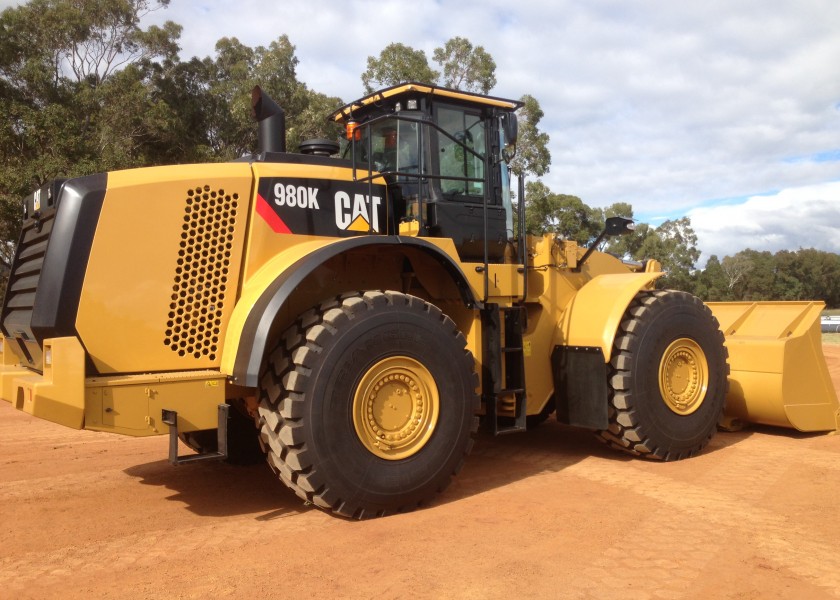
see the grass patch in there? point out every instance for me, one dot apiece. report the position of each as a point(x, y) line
point(831, 312)
point(831, 338)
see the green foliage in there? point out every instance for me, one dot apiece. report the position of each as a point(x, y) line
point(749, 275)
point(229, 79)
point(674, 244)
point(84, 89)
point(624, 245)
point(619, 209)
point(466, 67)
point(532, 154)
point(805, 274)
point(831, 338)
point(396, 64)
point(562, 214)
point(712, 283)
point(63, 93)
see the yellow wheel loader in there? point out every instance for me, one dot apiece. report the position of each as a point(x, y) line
point(366, 306)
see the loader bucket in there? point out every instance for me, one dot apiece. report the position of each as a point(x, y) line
point(778, 374)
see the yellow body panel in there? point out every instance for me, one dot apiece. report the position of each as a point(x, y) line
point(377, 271)
point(504, 282)
point(296, 247)
point(595, 312)
point(567, 307)
point(538, 342)
point(126, 404)
point(9, 370)
point(59, 394)
point(132, 288)
point(132, 405)
point(778, 375)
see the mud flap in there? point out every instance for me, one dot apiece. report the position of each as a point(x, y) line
point(778, 374)
point(581, 393)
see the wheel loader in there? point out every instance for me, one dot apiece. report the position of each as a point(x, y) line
point(353, 312)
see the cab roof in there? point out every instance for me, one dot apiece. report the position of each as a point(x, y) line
point(412, 89)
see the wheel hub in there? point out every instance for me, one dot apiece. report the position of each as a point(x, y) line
point(395, 408)
point(683, 376)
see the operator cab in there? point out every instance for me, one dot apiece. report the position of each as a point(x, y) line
point(442, 153)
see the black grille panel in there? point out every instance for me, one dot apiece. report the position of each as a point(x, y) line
point(201, 274)
point(45, 282)
point(19, 301)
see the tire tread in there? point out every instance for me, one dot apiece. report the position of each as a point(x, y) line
point(282, 404)
point(625, 432)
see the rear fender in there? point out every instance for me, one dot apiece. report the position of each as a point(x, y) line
point(264, 296)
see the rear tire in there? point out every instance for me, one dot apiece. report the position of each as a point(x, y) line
point(668, 377)
point(368, 404)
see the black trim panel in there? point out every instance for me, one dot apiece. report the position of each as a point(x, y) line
point(60, 286)
point(580, 386)
point(252, 344)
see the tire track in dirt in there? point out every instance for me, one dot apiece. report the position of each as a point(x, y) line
point(546, 514)
point(747, 475)
point(64, 485)
point(145, 549)
point(714, 515)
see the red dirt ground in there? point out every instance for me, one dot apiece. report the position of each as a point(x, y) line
point(548, 514)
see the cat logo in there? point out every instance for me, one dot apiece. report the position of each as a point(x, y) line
point(359, 213)
point(309, 206)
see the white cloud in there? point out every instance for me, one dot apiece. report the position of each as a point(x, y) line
point(803, 217)
point(666, 105)
point(660, 104)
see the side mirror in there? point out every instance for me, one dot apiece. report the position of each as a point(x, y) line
point(612, 226)
point(510, 126)
point(618, 226)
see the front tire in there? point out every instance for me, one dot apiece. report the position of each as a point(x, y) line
point(668, 377)
point(368, 404)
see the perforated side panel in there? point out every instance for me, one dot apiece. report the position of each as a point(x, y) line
point(201, 275)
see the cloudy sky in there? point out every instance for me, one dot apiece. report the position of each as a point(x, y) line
point(727, 111)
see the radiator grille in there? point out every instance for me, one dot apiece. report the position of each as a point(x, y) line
point(201, 274)
point(25, 274)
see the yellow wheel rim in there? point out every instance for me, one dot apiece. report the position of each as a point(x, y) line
point(395, 408)
point(683, 376)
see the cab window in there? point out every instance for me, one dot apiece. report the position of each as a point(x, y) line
point(461, 152)
point(387, 146)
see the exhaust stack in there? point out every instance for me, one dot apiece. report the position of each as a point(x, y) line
point(271, 135)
